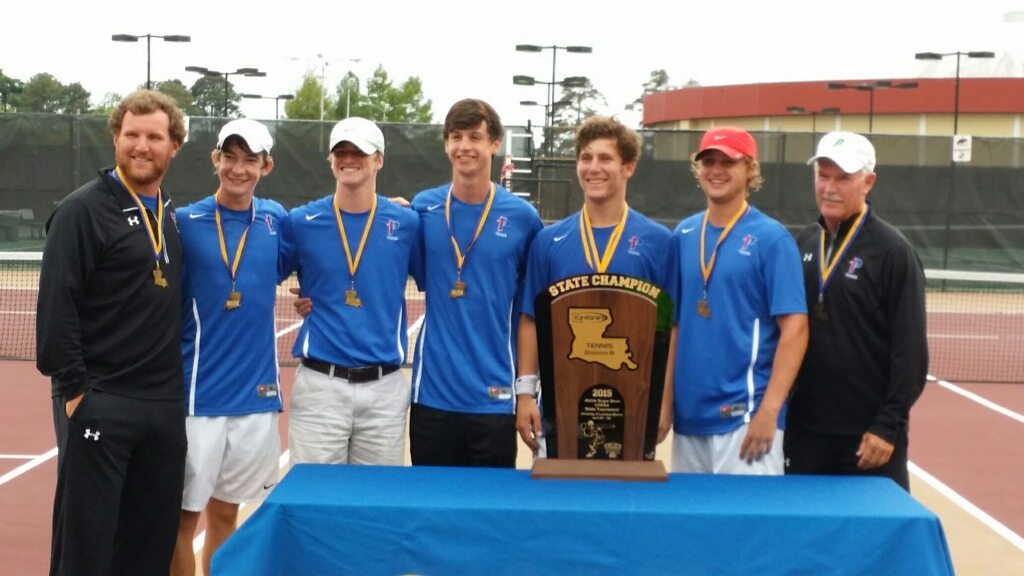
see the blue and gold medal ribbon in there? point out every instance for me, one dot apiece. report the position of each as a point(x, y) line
point(706, 268)
point(234, 298)
point(155, 239)
point(827, 266)
point(460, 257)
point(599, 262)
point(351, 297)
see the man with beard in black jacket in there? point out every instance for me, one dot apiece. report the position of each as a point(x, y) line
point(108, 335)
point(867, 358)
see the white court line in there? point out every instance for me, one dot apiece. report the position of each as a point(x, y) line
point(976, 398)
point(295, 326)
point(28, 466)
point(963, 336)
point(978, 514)
point(18, 456)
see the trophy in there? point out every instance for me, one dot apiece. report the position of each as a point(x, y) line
point(603, 345)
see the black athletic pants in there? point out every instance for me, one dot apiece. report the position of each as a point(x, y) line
point(119, 483)
point(808, 452)
point(442, 438)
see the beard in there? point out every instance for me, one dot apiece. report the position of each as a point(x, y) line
point(141, 173)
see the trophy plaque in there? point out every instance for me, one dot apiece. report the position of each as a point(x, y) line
point(603, 345)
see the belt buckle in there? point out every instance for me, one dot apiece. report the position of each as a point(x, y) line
point(364, 374)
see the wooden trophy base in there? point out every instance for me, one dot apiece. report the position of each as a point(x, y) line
point(639, 470)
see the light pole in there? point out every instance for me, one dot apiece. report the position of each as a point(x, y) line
point(323, 81)
point(832, 110)
point(554, 55)
point(870, 88)
point(956, 131)
point(277, 99)
point(149, 37)
point(250, 72)
point(549, 109)
point(956, 88)
point(349, 80)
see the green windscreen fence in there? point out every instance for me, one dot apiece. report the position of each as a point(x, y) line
point(963, 216)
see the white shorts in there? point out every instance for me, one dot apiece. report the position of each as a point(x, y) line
point(334, 421)
point(231, 458)
point(720, 454)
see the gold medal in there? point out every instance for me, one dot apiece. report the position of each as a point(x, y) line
point(706, 268)
point(155, 236)
point(234, 300)
point(234, 297)
point(460, 259)
point(459, 291)
point(352, 299)
point(828, 261)
point(351, 296)
point(158, 277)
point(703, 309)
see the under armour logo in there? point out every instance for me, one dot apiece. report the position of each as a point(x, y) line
point(133, 220)
point(808, 257)
point(90, 435)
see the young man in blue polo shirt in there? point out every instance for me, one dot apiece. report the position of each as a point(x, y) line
point(741, 320)
point(606, 235)
point(476, 237)
point(232, 243)
point(353, 251)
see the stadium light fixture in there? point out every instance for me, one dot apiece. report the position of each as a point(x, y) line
point(149, 38)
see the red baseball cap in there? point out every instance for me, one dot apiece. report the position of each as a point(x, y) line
point(733, 142)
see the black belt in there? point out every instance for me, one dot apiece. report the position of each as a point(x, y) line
point(353, 375)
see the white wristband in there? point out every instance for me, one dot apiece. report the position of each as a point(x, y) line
point(528, 384)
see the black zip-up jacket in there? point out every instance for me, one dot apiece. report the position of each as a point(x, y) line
point(867, 362)
point(101, 321)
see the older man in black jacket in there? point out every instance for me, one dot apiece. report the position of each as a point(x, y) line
point(867, 358)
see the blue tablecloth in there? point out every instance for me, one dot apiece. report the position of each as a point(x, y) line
point(365, 520)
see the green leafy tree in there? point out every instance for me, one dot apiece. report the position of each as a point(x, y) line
point(176, 89)
point(214, 96)
point(74, 99)
point(347, 93)
point(383, 101)
point(107, 104)
point(42, 93)
point(10, 89)
point(306, 104)
point(412, 104)
point(658, 82)
point(576, 105)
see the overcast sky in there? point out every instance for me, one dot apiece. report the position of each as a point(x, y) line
point(462, 49)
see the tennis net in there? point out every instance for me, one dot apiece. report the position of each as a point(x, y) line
point(975, 319)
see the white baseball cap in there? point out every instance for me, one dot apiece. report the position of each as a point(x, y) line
point(851, 152)
point(256, 135)
point(365, 134)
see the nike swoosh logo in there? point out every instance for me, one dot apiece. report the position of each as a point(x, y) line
point(434, 207)
point(193, 216)
point(687, 230)
point(269, 486)
point(560, 238)
point(312, 216)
